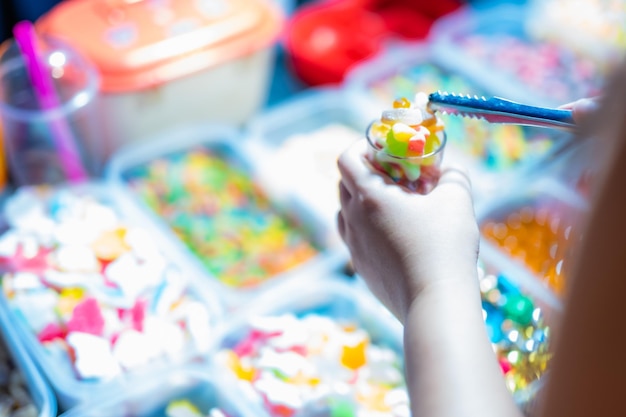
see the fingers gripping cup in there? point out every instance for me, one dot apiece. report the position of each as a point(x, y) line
point(407, 144)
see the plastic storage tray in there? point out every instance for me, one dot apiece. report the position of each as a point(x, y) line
point(69, 388)
point(495, 155)
point(546, 216)
point(37, 386)
point(520, 318)
point(326, 296)
point(493, 47)
point(198, 385)
point(230, 148)
point(300, 141)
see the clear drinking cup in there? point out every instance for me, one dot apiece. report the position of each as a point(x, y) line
point(48, 145)
point(417, 173)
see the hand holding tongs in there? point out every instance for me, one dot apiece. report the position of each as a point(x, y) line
point(499, 110)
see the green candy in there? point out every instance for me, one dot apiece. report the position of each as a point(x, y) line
point(342, 408)
point(519, 308)
point(396, 147)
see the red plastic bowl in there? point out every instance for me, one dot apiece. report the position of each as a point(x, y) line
point(324, 41)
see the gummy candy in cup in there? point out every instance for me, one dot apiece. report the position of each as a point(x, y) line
point(418, 171)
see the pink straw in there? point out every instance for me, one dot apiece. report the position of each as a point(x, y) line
point(26, 38)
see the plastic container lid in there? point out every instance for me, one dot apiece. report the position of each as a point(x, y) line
point(140, 44)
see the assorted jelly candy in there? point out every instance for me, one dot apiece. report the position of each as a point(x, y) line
point(540, 237)
point(491, 148)
point(407, 144)
point(96, 289)
point(517, 329)
point(315, 365)
point(222, 216)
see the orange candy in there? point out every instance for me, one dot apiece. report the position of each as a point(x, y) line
point(538, 237)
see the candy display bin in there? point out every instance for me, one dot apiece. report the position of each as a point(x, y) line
point(169, 64)
point(311, 319)
point(495, 155)
point(300, 141)
point(172, 394)
point(595, 29)
point(536, 225)
point(494, 47)
point(57, 310)
point(200, 186)
point(520, 318)
point(37, 386)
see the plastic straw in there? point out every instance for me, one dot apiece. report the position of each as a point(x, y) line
point(65, 143)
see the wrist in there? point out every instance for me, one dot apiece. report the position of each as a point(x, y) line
point(450, 283)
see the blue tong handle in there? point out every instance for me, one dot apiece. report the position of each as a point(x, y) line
point(499, 110)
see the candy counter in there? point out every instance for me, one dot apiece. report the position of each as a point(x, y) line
point(203, 273)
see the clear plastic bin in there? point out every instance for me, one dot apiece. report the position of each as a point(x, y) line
point(67, 288)
point(300, 141)
point(197, 385)
point(493, 47)
point(594, 28)
point(535, 225)
point(236, 260)
point(325, 298)
point(37, 386)
point(521, 318)
point(495, 155)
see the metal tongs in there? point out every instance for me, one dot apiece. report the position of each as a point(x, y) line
point(499, 110)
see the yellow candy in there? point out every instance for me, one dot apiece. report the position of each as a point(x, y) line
point(68, 299)
point(111, 245)
point(402, 132)
point(401, 103)
point(432, 144)
point(243, 372)
point(353, 357)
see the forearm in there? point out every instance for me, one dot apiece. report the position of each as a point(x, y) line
point(451, 368)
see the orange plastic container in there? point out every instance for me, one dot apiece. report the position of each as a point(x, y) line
point(166, 63)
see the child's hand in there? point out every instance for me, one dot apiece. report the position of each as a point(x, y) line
point(402, 242)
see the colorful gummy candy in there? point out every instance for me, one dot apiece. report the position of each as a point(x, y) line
point(407, 144)
point(539, 236)
point(93, 288)
point(546, 68)
point(517, 329)
point(222, 216)
point(595, 28)
point(492, 148)
point(315, 365)
point(185, 408)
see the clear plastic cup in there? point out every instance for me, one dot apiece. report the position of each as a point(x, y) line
point(417, 173)
point(43, 142)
